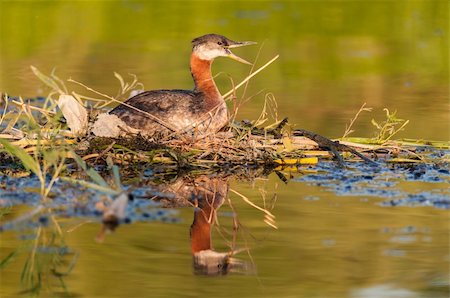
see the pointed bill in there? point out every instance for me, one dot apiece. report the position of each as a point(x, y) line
point(237, 45)
point(237, 58)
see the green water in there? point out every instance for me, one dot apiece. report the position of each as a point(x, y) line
point(334, 56)
point(324, 246)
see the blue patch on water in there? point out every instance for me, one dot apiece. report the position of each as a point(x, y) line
point(362, 179)
point(438, 200)
point(67, 200)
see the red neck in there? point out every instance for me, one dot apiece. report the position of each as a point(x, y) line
point(201, 230)
point(204, 82)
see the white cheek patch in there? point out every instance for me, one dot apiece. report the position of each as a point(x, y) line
point(205, 53)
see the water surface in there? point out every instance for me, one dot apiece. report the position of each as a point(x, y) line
point(358, 232)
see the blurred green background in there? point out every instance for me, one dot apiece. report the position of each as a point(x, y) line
point(334, 55)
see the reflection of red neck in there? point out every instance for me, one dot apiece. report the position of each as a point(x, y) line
point(204, 82)
point(201, 229)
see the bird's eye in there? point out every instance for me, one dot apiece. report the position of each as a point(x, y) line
point(220, 43)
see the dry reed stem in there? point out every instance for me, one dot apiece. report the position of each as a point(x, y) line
point(267, 212)
point(8, 136)
point(348, 127)
point(250, 76)
point(28, 106)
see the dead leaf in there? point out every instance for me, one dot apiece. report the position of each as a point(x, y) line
point(75, 114)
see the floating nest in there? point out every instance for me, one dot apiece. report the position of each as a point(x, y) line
point(46, 129)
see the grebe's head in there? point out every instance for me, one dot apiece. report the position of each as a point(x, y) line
point(210, 46)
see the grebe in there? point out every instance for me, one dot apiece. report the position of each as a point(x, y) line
point(195, 113)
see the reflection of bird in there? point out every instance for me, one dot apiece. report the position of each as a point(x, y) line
point(208, 194)
point(201, 111)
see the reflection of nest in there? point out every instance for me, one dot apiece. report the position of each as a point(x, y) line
point(192, 192)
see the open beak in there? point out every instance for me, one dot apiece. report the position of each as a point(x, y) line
point(236, 44)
